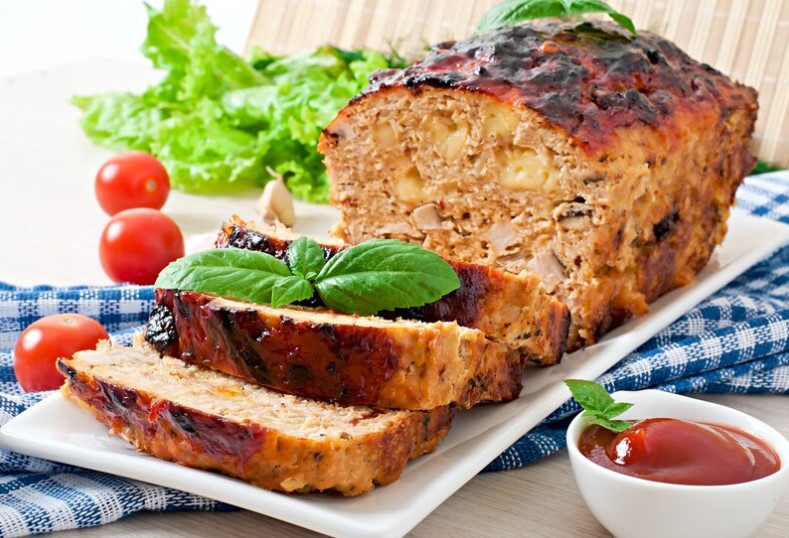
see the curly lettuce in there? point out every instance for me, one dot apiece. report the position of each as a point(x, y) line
point(221, 123)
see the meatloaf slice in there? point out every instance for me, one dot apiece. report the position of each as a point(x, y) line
point(510, 309)
point(346, 359)
point(605, 163)
point(204, 419)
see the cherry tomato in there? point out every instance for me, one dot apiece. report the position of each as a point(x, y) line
point(138, 243)
point(132, 179)
point(48, 339)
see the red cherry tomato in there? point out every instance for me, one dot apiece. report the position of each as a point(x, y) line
point(48, 339)
point(137, 244)
point(132, 179)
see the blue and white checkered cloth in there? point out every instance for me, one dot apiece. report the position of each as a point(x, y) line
point(737, 341)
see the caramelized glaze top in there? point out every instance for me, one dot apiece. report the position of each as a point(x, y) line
point(589, 79)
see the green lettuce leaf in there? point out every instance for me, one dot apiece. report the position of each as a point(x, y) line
point(220, 123)
point(181, 39)
point(120, 119)
point(204, 155)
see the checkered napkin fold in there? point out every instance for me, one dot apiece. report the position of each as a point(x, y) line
point(737, 341)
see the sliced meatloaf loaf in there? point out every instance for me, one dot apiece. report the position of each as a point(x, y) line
point(510, 309)
point(204, 419)
point(605, 163)
point(346, 359)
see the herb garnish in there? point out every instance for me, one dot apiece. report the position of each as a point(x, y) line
point(380, 274)
point(764, 167)
point(511, 12)
point(598, 404)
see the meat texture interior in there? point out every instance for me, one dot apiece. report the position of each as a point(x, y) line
point(604, 163)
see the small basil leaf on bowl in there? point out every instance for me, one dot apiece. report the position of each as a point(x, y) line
point(599, 407)
point(384, 274)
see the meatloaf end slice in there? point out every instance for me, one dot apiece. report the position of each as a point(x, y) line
point(512, 309)
point(351, 360)
point(606, 164)
point(205, 419)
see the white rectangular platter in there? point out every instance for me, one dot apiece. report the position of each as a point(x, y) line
point(57, 429)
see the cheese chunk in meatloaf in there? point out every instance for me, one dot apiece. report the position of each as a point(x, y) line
point(604, 163)
point(513, 310)
point(351, 360)
point(208, 420)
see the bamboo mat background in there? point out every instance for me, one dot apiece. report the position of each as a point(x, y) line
point(746, 39)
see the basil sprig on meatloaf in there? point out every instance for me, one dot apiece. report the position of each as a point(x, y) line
point(376, 275)
point(512, 12)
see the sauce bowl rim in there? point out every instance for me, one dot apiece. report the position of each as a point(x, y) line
point(775, 439)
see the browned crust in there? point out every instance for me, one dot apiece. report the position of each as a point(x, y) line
point(688, 124)
point(264, 457)
point(588, 79)
point(508, 308)
point(391, 366)
point(684, 235)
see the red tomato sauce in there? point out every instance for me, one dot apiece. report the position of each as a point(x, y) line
point(681, 452)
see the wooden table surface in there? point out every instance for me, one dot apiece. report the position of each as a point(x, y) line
point(47, 168)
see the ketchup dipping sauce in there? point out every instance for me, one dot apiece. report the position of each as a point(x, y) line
point(681, 452)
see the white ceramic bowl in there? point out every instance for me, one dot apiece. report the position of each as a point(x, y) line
point(634, 507)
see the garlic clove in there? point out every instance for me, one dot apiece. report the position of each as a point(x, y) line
point(276, 203)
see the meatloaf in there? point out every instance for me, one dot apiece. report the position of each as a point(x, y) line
point(510, 309)
point(349, 360)
point(604, 163)
point(208, 420)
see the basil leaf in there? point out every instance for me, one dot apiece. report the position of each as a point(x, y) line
point(613, 425)
point(592, 396)
point(512, 12)
point(598, 405)
point(364, 279)
point(616, 409)
point(384, 274)
point(229, 272)
point(290, 289)
point(579, 7)
point(305, 256)
point(623, 21)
